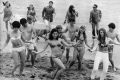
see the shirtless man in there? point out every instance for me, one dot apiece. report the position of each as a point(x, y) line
point(27, 36)
point(112, 35)
point(71, 29)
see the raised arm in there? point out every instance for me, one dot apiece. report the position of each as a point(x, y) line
point(100, 14)
point(66, 44)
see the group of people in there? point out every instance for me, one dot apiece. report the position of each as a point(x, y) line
point(24, 38)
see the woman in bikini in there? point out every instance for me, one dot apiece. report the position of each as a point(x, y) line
point(18, 49)
point(31, 14)
point(79, 48)
point(56, 45)
point(7, 13)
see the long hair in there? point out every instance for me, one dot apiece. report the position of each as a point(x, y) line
point(51, 34)
point(100, 38)
point(4, 3)
point(71, 9)
point(79, 34)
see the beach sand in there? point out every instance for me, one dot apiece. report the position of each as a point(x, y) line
point(110, 13)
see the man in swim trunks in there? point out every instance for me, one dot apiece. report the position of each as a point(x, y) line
point(27, 36)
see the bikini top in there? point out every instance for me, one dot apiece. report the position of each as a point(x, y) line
point(16, 40)
point(56, 45)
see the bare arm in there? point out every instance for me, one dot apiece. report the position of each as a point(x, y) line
point(86, 42)
point(90, 19)
point(117, 37)
point(42, 50)
point(95, 46)
point(66, 17)
point(6, 42)
point(65, 30)
point(66, 44)
point(100, 14)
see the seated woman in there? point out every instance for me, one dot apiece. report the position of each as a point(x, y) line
point(101, 48)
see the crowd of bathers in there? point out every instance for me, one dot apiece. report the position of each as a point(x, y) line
point(24, 38)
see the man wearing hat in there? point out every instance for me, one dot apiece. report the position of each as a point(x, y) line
point(95, 17)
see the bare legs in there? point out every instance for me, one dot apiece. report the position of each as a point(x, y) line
point(78, 54)
point(60, 68)
point(19, 63)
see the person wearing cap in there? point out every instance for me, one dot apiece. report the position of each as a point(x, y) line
point(112, 35)
point(7, 13)
point(95, 18)
point(48, 14)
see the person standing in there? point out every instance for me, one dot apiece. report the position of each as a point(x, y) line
point(48, 14)
point(7, 13)
point(31, 14)
point(27, 34)
point(95, 18)
point(18, 48)
point(101, 49)
point(71, 15)
point(112, 35)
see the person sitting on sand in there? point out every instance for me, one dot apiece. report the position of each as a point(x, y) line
point(56, 45)
point(79, 48)
point(18, 48)
point(7, 13)
point(101, 48)
point(31, 14)
point(112, 35)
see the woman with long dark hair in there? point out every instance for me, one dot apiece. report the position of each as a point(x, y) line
point(71, 15)
point(79, 48)
point(7, 13)
point(56, 45)
point(101, 48)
